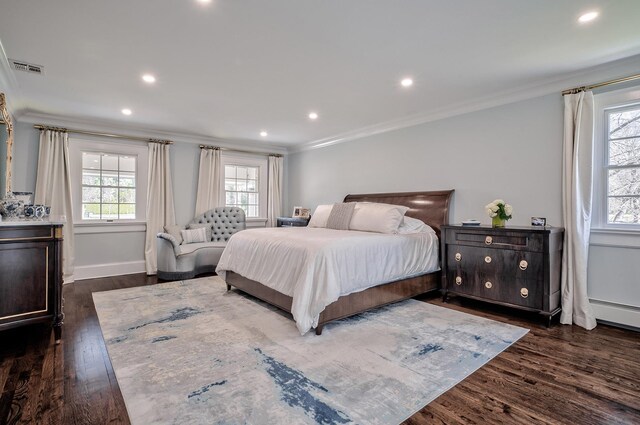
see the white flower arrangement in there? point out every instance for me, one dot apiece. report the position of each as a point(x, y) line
point(500, 209)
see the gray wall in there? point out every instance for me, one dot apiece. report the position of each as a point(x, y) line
point(511, 152)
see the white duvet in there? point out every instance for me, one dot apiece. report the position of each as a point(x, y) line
point(315, 266)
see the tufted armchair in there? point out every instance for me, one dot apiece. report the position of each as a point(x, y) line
point(178, 261)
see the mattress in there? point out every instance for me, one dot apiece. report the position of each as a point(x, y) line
point(315, 266)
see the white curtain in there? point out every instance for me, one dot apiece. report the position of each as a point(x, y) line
point(160, 209)
point(274, 195)
point(208, 193)
point(577, 189)
point(53, 188)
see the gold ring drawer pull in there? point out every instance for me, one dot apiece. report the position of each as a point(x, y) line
point(488, 240)
point(458, 280)
point(488, 285)
point(487, 259)
point(458, 256)
point(524, 265)
point(524, 292)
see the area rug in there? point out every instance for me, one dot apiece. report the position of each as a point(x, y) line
point(192, 353)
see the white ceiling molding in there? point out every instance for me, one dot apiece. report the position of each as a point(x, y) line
point(118, 128)
point(616, 69)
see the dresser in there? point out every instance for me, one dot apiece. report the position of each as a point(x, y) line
point(31, 274)
point(517, 267)
point(292, 221)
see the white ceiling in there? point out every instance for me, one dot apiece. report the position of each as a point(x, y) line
point(235, 67)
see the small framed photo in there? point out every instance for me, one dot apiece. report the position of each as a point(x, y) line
point(301, 212)
point(538, 221)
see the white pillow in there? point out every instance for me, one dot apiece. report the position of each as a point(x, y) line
point(194, 235)
point(374, 217)
point(412, 225)
point(320, 216)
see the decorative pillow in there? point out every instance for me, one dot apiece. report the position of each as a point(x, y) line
point(174, 231)
point(374, 217)
point(340, 216)
point(204, 226)
point(413, 225)
point(320, 216)
point(194, 235)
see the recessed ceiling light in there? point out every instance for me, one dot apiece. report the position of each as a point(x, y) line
point(313, 115)
point(588, 17)
point(406, 82)
point(148, 78)
point(264, 133)
point(126, 111)
point(204, 1)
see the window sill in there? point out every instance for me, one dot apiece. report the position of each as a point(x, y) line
point(617, 238)
point(106, 227)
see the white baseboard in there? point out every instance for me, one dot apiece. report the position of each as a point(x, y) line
point(110, 269)
point(616, 313)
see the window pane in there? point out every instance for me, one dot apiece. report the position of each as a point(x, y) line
point(624, 151)
point(253, 173)
point(127, 179)
point(230, 185)
point(109, 162)
point(253, 198)
point(127, 196)
point(624, 210)
point(252, 185)
point(241, 173)
point(90, 160)
point(230, 171)
point(91, 194)
point(109, 178)
point(252, 211)
point(243, 198)
point(91, 211)
point(90, 178)
point(625, 181)
point(624, 124)
point(109, 211)
point(127, 211)
point(110, 195)
point(127, 163)
point(231, 198)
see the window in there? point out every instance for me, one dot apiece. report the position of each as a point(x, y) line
point(241, 184)
point(622, 150)
point(108, 186)
point(616, 200)
point(245, 184)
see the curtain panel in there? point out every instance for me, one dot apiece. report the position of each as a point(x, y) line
point(208, 195)
point(160, 207)
point(274, 194)
point(53, 188)
point(577, 194)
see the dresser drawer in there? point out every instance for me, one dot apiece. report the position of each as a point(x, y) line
point(519, 241)
point(492, 262)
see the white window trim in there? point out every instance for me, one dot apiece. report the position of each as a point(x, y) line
point(76, 147)
point(599, 225)
point(241, 159)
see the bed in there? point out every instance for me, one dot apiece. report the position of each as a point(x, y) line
point(430, 207)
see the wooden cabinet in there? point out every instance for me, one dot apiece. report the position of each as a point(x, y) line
point(292, 222)
point(513, 266)
point(31, 274)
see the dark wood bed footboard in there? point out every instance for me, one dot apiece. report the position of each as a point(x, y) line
point(347, 305)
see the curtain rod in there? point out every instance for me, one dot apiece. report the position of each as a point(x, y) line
point(96, 133)
point(239, 150)
point(605, 83)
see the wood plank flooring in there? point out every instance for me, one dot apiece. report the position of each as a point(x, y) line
point(560, 375)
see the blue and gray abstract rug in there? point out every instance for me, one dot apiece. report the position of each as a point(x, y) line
point(191, 353)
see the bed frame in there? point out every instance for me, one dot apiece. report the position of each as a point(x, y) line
point(430, 207)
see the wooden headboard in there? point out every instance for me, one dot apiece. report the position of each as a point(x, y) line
point(430, 207)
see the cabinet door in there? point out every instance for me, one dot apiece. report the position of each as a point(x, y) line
point(24, 285)
point(496, 274)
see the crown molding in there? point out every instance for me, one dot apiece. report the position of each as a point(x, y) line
point(32, 117)
point(619, 68)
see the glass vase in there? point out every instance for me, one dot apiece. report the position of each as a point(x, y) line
point(498, 222)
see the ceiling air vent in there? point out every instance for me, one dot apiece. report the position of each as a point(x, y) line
point(27, 67)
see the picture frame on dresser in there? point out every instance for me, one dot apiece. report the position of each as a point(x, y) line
point(516, 267)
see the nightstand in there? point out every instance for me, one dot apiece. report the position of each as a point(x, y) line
point(292, 222)
point(517, 267)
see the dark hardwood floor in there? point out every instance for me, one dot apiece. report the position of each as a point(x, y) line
point(563, 374)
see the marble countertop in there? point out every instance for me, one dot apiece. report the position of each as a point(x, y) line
point(31, 221)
